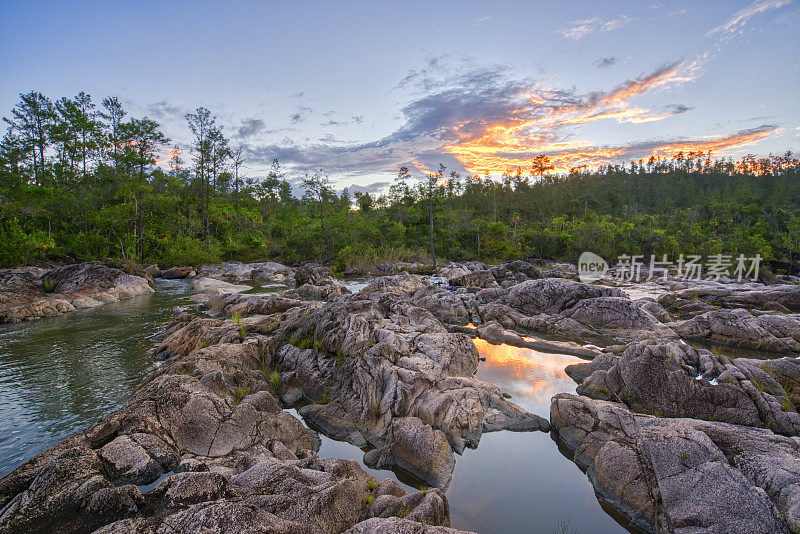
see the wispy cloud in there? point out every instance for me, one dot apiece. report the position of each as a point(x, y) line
point(605, 62)
point(249, 127)
point(735, 24)
point(581, 28)
point(300, 115)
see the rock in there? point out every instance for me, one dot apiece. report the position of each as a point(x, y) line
point(384, 269)
point(366, 359)
point(312, 274)
point(738, 295)
point(31, 293)
point(676, 380)
point(245, 464)
point(178, 272)
point(396, 525)
point(689, 475)
point(418, 449)
point(740, 328)
point(267, 272)
point(183, 489)
point(128, 462)
point(552, 295)
point(153, 271)
point(212, 286)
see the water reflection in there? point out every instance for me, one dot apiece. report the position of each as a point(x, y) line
point(531, 377)
point(60, 373)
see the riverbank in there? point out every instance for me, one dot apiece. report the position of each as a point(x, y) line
point(392, 369)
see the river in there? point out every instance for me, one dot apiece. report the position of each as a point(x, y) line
point(59, 374)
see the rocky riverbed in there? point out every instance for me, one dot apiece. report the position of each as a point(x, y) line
point(674, 437)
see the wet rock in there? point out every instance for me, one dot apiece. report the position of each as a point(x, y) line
point(685, 474)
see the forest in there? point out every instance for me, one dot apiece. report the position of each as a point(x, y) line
point(83, 180)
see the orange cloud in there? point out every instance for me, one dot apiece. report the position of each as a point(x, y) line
point(534, 127)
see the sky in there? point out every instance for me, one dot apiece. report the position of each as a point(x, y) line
point(358, 89)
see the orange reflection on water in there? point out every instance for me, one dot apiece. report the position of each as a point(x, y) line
point(532, 377)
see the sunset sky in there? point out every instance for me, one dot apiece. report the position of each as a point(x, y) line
point(359, 89)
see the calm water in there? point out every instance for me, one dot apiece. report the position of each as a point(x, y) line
point(514, 482)
point(59, 374)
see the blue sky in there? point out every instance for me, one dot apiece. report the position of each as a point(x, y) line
point(360, 88)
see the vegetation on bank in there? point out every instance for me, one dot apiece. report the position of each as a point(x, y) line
point(79, 181)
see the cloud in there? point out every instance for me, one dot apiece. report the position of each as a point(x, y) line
point(736, 23)
point(373, 188)
point(581, 28)
point(485, 120)
point(165, 110)
point(605, 62)
point(299, 116)
point(249, 127)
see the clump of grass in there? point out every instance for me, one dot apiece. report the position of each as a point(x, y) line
point(324, 399)
point(236, 318)
point(786, 405)
point(423, 490)
point(240, 393)
point(48, 285)
point(304, 343)
point(369, 499)
point(376, 410)
point(202, 343)
point(404, 512)
point(242, 331)
point(275, 378)
point(339, 359)
point(372, 484)
point(683, 455)
point(318, 345)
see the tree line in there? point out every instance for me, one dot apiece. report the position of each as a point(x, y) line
point(82, 180)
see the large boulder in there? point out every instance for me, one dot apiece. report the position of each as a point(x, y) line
point(682, 475)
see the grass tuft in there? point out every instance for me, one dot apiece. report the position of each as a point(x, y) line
point(275, 378)
point(240, 393)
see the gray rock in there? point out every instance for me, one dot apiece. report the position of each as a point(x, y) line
point(689, 475)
